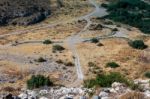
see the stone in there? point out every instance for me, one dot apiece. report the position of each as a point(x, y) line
point(116, 84)
point(103, 94)
point(112, 90)
point(147, 94)
point(96, 97)
point(23, 96)
point(43, 98)
point(43, 92)
point(106, 98)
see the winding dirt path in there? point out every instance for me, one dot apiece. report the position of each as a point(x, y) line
point(74, 39)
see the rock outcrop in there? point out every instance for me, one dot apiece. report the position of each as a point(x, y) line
point(116, 91)
point(23, 12)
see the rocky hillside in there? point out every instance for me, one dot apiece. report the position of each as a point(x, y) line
point(23, 12)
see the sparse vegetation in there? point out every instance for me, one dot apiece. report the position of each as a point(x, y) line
point(94, 68)
point(38, 81)
point(58, 48)
point(138, 44)
point(112, 64)
point(47, 42)
point(65, 63)
point(106, 80)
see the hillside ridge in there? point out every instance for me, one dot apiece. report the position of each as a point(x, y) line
point(23, 12)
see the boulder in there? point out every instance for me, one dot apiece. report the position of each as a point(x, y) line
point(43, 92)
point(23, 96)
point(96, 97)
point(43, 98)
point(147, 94)
point(103, 94)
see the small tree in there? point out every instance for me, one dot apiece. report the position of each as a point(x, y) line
point(138, 44)
point(47, 42)
point(94, 40)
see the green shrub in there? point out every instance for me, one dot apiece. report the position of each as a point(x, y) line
point(38, 81)
point(47, 42)
point(138, 44)
point(58, 48)
point(112, 64)
point(147, 74)
point(41, 59)
point(106, 80)
point(94, 40)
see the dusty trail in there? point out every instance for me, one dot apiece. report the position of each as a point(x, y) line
point(74, 39)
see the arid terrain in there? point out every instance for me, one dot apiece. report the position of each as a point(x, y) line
point(79, 27)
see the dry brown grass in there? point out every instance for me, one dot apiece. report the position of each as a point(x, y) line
point(116, 50)
point(90, 34)
point(132, 95)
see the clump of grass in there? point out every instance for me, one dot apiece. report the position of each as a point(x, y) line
point(65, 63)
point(58, 48)
point(112, 64)
point(41, 59)
point(93, 68)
